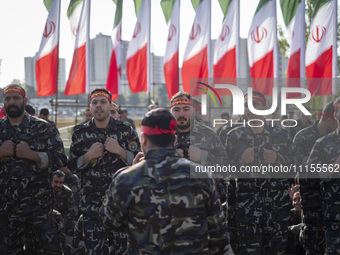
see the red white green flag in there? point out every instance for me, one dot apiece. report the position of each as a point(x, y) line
point(226, 53)
point(113, 77)
point(170, 61)
point(195, 61)
point(293, 12)
point(79, 15)
point(137, 58)
point(47, 59)
point(321, 59)
point(262, 47)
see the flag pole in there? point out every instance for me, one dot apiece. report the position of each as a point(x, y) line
point(57, 78)
point(334, 57)
point(149, 53)
point(276, 53)
point(210, 69)
point(238, 43)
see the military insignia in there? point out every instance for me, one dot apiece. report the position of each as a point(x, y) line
point(132, 146)
point(58, 138)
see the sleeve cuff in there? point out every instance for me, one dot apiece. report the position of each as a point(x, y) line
point(80, 162)
point(129, 157)
point(44, 159)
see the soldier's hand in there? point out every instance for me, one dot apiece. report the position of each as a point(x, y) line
point(23, 150)
point(181, 152)
point(248, 156)
point(113, 146)
point(194, 153)
point(7, 148)
point(96, 150)
point(139, 157)
point(269, 156)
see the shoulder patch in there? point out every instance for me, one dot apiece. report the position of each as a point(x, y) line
point(58, 137)
point(132, 146)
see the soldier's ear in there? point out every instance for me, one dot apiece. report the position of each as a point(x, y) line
point(143, 139)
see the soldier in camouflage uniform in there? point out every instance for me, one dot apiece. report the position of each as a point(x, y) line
point(262, 204)
point(72, 181)
point(30, 149)
point(163, 209)
point(312, 195)
point(64, 201)
point(195, 141)
point(326, 151)
point(99, 148)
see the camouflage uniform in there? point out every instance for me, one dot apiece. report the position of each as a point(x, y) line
point(64, 203)
point(325, 151)
point(262, 204)
point(96, 176)
point(293, 130)
point(164, 209)
point(311, 193)
point(213, 152)
point(26, 193)
point(72, 181)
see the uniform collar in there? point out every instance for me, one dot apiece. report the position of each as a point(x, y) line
point(160, 153)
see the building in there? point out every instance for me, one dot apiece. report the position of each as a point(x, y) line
point(30, 73)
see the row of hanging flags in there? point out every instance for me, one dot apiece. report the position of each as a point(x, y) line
point(319, 60)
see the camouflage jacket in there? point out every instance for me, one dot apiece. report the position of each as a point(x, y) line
point(325, 151)
point(96, 176)
point(206, 139)
point(304, 141)
point(25, 185)
point(64, 203)
point(272, 138)
point(164, 210)
point(72, 181)
point(293, 130)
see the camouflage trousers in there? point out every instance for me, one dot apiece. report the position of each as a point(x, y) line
point(262, 212)
point(98, 239)
point(41, 226)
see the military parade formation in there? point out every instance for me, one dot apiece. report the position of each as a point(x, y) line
point(120, 192)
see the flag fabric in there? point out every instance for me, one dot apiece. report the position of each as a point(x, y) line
point(195, 60)
point(225, 54)
point(137, 58)
point(170, 61)
point(79, 15)
point(321, 48)
point(262, 47)
point(293, 12)
point(113, 77)
point(47, 59)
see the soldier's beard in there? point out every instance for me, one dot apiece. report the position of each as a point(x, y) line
point(184, 126)
point(14, 111)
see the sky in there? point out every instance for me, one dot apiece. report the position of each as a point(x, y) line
point(22, 23)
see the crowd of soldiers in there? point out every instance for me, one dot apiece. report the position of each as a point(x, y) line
point(121, 194)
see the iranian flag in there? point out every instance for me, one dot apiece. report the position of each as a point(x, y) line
point(170, 61)
point(293, 12)
point(79, 15)
point(262, 47)
point(113, 77)
point(47, 59)
point(226, 59)
point(195, 61)
point(137, 58)
point(321, 59)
